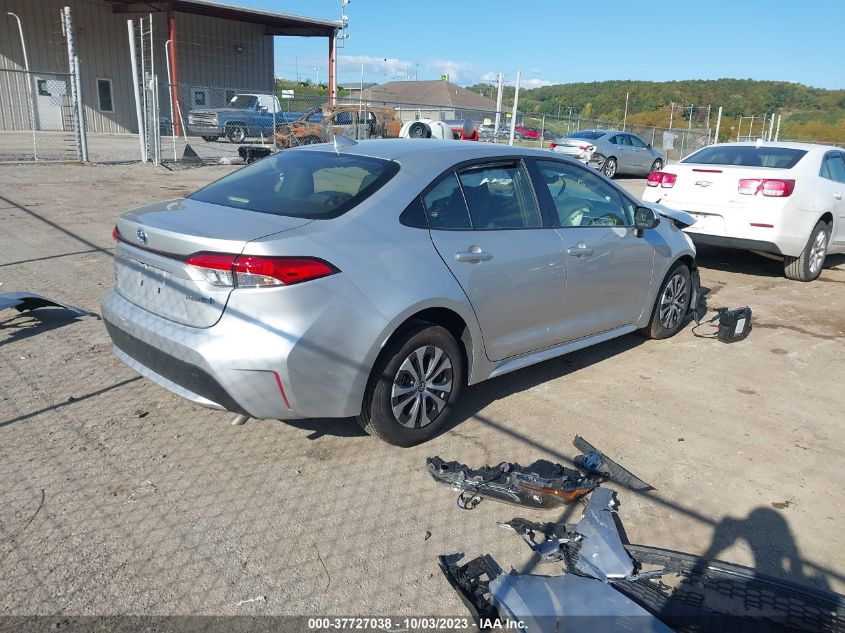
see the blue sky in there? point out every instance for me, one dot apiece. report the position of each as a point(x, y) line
point(560, 41)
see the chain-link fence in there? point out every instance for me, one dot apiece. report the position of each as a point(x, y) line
point(40, 109)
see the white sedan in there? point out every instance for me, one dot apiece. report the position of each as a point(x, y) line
point(776, 199)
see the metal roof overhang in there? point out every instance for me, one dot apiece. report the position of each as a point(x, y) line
point(276, 23)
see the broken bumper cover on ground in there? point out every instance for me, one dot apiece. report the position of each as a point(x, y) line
point(543, 484)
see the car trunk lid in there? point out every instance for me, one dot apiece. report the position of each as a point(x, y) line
point(156, 241)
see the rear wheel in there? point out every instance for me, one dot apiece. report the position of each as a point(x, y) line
point(608, 168)
point(656, 165)
point(236, 133)
point(672, 304)
point(413, 386)
point(808, 265)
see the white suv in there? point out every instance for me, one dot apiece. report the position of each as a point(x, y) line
point(782, 199)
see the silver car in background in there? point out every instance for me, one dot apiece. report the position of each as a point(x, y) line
point(376, 279)
point(611, 151)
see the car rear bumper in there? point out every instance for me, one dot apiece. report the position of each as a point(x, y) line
point(307, 363)
point(739, 243)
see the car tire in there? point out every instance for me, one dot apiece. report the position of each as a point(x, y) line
point(672, 304)
point(210, 139)
point(657, 165)
point(609, 166)
point(236, 133)
point(311, 139)
point(419, 129)
point(395, 382)
point(809, 264)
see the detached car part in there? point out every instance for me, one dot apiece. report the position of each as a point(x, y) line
point(608, 586)
point(23, 301)
point(543, 484)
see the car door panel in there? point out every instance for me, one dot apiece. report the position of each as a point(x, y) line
point(609, 268)
point(513, 275)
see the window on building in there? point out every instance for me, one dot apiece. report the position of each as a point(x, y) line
point(104, 95)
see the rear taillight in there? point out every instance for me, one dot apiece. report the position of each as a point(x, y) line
point(662, 178)
point(115, 234)
point(252, 271)
point(552, 145)
point(772, 188)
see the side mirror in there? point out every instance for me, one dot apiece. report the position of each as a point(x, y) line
point(645, 218)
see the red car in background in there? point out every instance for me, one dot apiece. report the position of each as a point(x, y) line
point(520, 131)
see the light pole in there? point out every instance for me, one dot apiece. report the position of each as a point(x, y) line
point(317, 68)
point(30, 99)
point(625, 118)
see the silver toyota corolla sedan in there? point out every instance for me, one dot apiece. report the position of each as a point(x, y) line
point(611, 151)
point(376, 279)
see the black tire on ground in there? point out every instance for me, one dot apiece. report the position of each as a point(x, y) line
point(310, 140)
point(419, 130)
point(657, 165)
point(809, 264)
point(671, 305)
point(608, 167)
point(236, 133)
point(391, 373)
point(210, 139)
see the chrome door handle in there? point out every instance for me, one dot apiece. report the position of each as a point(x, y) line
point(838, 196)
point(580, 250)
point(473, 255)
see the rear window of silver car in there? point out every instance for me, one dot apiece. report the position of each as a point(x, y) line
point(587, 135)
point(747, 156)
point(301, 184)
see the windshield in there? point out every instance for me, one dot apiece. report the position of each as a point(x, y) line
point(747, 156)
point(243, 102)
point(587, 135)
point(301, 184)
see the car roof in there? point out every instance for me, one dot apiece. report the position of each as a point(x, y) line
point(429, 149)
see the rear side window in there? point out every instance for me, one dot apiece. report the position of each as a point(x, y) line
point(833, 168)
point(500, 197)
point(445, 205)
point(747, 156)
point(301, 184)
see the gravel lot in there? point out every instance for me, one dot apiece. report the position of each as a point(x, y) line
point(117, 497)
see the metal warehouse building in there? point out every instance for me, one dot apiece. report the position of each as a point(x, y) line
point(217, 50)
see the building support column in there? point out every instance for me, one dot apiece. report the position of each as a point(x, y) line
point(174, 74)
point(332, 68)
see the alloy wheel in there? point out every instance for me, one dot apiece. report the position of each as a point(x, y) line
point(673, 301)
point(421, 387)
point(609, 168)
point(818, 252)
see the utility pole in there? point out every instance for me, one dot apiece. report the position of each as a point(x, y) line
point(771, 126)
point(515, 104)
point(671, 114)
point(777, 131)
point(625, 118)
point(718, 124)
point(499, 105)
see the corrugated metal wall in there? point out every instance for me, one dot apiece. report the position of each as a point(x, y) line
point(206, 48)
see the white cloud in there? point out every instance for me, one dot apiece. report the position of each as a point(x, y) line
point(387, 66)
point(457, 71)
point(491, 76)
point(534, 83)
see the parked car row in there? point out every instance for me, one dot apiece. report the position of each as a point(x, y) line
point(611, 151)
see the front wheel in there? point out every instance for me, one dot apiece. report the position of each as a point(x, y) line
point(413, 386)
point(672, 304)
point(609, 167)
point(808, 265)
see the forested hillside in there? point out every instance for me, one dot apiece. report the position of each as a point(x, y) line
point(808, 113)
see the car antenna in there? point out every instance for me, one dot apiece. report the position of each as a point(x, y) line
point(341, 141)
